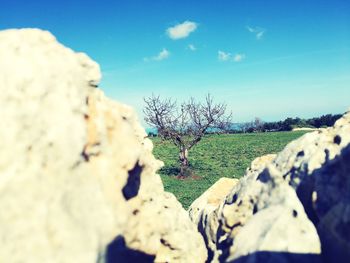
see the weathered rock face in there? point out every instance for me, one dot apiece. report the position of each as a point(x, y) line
point(211, 198)
point(293, 207)
point(77, 176)
point(321, 177)
point(203, 210)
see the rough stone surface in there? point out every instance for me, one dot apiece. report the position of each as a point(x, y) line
point(320, 174)
point(202, 211)
point(292, 208)
point(77, 176)
point(211, 198)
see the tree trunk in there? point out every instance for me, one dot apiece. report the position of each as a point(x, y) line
point(184, 164)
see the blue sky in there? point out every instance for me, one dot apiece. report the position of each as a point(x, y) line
point(269, 58)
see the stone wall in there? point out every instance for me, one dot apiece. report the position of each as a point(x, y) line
point(78, 180)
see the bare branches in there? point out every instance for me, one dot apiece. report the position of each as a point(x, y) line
point(162, 115)
point(185, 125)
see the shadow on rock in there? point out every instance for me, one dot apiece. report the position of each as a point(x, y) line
point(117, 251)
point(278, 257)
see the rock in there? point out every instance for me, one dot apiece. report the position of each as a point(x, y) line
point(78, 180)
point(157, 224)
point(211, 198)
point(320, 175)
point(210, 221)
point(266, 208)
point(202, 208)
point(291, 206)
point(277, 226)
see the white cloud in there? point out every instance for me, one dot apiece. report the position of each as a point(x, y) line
point(164, 54)
point(224, 56)
point(181, 30)
point(258, 31)
point(192, 47)
point(238, 57)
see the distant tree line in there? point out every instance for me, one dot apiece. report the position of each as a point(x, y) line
point(287, 125)
point(258, 125)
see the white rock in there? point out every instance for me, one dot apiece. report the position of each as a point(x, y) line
point(203, 211)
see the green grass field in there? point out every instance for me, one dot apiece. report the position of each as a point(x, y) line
point(214, 157)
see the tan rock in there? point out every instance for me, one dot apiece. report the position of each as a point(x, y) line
point(78, 180)
point(202, 209)
point(211, 198)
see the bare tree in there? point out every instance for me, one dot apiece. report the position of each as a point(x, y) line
point(185, 124)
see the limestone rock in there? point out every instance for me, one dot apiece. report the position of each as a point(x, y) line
point(278, 225)
point(320, 174)
point(211, 198)
point(211, 222)
point(202, 210)
point(301, 196)
point(263, 214)
point(78, 180)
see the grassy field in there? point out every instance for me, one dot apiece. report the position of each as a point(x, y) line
point(214, 157)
